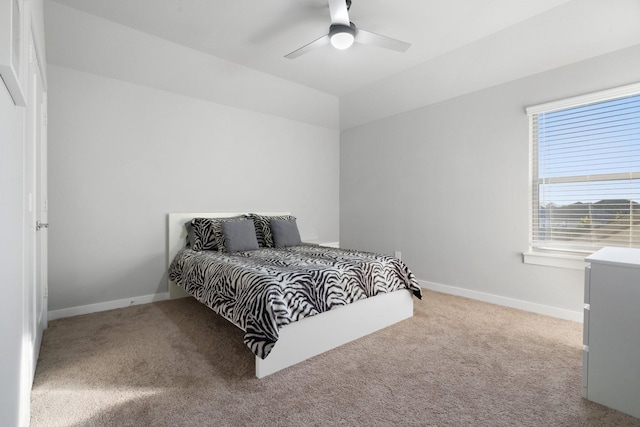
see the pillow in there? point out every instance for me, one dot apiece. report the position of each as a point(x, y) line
point(263, 228)
point(203, 234)
point(259, 224)
point(285, 233)
point(190, 236)
point(220, 234)
point(206, 233)
point(239, 236)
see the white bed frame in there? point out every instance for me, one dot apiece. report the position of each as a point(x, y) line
point(314, 335)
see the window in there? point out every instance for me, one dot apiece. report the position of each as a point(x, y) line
point(585, 172)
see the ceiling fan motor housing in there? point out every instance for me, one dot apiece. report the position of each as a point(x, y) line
point(342, 36)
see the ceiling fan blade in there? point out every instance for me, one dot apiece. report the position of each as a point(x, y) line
point(322, 41)
point(339, 12)
point(367, 37)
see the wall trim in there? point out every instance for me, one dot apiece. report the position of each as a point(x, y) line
point(104, 306)
point(560, 313)
point(549, 259)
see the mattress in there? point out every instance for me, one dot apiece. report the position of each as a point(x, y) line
point(263, 290)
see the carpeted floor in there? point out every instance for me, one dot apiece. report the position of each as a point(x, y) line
point(176, 363)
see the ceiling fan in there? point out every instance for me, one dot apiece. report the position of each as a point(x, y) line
point(343, 33)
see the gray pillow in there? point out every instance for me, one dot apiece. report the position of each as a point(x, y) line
point(220, 236)
point(285, 233)
point(239, 236)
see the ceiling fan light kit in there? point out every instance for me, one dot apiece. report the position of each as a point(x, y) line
point(343, 33)
point(342, 36)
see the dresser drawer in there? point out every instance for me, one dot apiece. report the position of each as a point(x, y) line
point(587, 284)
point(585, 325)
point(585, 370)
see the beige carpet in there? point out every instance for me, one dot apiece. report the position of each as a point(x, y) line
point(176, 363)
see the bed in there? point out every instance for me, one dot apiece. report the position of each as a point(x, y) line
point(296, 334)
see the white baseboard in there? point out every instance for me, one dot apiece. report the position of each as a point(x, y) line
point(560, 313)
point(109, 305)
point(576, 316)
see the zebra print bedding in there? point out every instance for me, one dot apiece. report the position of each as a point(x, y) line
point(260, 291)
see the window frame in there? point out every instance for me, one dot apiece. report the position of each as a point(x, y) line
point(556, 257)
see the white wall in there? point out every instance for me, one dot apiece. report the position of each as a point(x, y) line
point(115, 148)
point(85, 42)
point(447, 185)
point(122, 156)
point(140, 127)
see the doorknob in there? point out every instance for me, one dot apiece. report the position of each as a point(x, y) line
point(40, 225)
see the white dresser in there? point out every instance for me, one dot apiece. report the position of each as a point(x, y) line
point(611, 356)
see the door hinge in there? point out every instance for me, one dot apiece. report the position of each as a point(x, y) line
point(44, 118)
point(40, 225)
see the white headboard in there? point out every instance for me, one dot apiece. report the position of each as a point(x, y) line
point(177, 237)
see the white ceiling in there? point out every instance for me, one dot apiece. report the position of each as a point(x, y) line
point(458, 46)
point(258, 33)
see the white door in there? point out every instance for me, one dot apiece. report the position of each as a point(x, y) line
point(42, 219)
point(35, 235)
point(29, 234)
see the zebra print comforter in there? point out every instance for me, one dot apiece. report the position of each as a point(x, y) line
point(263, 290)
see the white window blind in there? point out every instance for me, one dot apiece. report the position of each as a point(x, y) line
point(585, 169)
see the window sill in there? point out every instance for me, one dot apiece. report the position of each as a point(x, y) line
point(574, 262)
